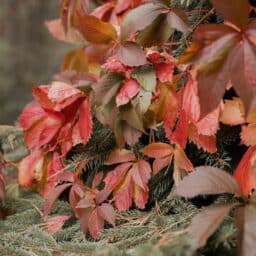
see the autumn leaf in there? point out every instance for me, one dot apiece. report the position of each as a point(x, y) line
point(245, 222)
point(237, 13)
point(222, 56)
point(233, 112)
point(120, 156)
point(94, 30)
point(76, 60)
point(138, 19)
point(85, 124)
point(131, 54)
point(94, 212)
point(128, 181)
point(245, 171)
point(57, 30)
point(147, 18)
point(146, 77)
point(129, 89)
point(53, 196)
point(207, 180)
point(212, 217)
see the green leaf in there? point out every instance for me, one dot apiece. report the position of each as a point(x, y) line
point(142, 101)
point(130, 115)
point(146, 77)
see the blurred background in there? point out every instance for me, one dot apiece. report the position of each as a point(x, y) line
point(28, 53)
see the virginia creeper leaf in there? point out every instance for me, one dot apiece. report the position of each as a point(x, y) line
point(212, 217)
point(207, 180)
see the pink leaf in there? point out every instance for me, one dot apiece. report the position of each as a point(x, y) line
point(95, 224)
point(129, 89)
point(53, 196)
point(107, 212)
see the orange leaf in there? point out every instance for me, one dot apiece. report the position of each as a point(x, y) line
point(158, 150)
point(233, 112)
point(245, 173)
point(94, 30)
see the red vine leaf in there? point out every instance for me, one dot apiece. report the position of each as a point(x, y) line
point(212, 217)
point(207, 181)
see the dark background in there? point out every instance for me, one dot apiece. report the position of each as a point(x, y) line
point(28, 53)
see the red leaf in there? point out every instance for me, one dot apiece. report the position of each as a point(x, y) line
point(245, 173)
point(85, 121)
point(190, 100)
point(207, 181)
point(141, 171)
point(129, 89)
point(113, 64)
point(95, 223)
point(140, 196)
point(207, 143)
point(180, 134)
point(107, 212)
point(158, 150)
point(30, 167)
point(40, 94)
point(102, 196)
point(164, 71)
point(63, 94)
point(97, 179)
point(181, 164)
point(114, 177)
point(123, 197)
point(53, 196)
point(210, 123)
point(31, 114)
point(120, 156)
point(41, 126)
point(248, 135)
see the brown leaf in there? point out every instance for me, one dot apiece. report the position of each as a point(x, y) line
point(206, 180)
point(205, 223)
point(94, 30)
point(237, 12)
